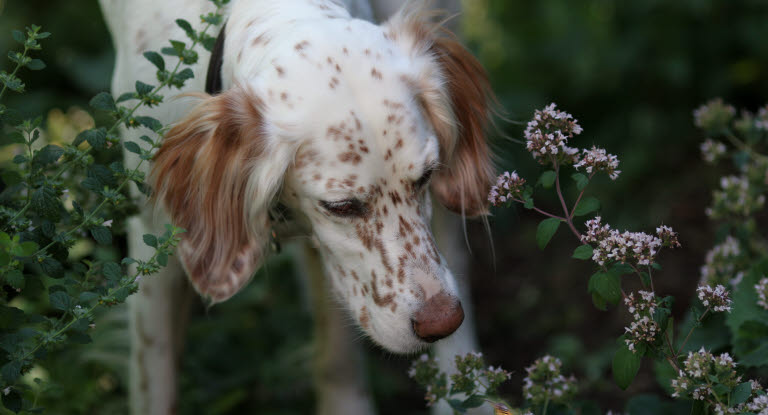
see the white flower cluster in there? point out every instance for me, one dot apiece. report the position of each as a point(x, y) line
point(759, 405)
point(637, 247)
point(735, 197)
point(714, 115)
point(762, 119)
point(717, 299)
point(720, 263)
point(645, 303)
point(762, 292)
point(701, 370)
point(548, 133)
point(712, 150)
point(597, 159)
point(643, 329)
point(545, 382)
point(508, 186)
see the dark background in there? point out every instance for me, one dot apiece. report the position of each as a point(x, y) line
point(631, 72)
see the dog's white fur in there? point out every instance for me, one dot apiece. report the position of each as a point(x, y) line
point(317, 77)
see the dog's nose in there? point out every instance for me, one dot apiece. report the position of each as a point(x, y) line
point(438, 317)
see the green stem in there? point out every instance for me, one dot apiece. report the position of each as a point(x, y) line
point(546, 405)
point(692, 329)
point(15, 70)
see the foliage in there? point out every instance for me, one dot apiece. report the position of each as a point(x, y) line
point(61, 197)
point(712, 383)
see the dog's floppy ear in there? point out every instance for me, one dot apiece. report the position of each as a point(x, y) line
point(453, 90)
point(205, 176)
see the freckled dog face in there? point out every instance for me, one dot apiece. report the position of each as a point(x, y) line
point(363, 186)
point(348, 124)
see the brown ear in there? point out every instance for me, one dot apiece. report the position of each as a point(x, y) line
point(201, 175)
point(453, 90)
point(463, 185)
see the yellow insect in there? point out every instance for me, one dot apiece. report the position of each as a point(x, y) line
point(500, 409)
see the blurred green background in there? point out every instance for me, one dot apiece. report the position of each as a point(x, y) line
point(631, 72)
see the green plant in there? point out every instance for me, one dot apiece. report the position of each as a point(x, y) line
point(58, 199)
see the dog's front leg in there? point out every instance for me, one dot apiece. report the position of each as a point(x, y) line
point(340, 384)
point(157, 319)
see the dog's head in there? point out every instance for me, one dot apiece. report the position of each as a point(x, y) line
point(350, 126)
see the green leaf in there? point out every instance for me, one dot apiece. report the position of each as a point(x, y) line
point(473, 401)
point(126, 97)
point(581, 180)
point(132, 147)
point(156, 59)
point(149, 122)
point(112, 271)
point(184, 25)
point(15, 279)
point(546, 231)
point(625, 366)
point(60, 300)
point(47, 155)
point(11, 371)
point(587, 205)
point(36, 65)
point(583, 252)
point(102, 235)
point(457, 405)
point(143, 89)
point(102, 174)
point(96, 137)
point(741, 393)
point(19, 36)
point(150, 240)
point(104, 101)
point(608, 285)
point(26, 248)
point(45, 201)
point(162, 259)
point(12, 401)
point(86, 297)
point(52, 268)
point(547, 179)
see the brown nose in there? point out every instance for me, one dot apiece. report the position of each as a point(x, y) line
point(438, 317)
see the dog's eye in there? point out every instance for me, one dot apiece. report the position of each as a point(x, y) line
point(345, 208)
point(424, 179)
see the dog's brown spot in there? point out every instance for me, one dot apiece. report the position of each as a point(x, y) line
point(350, 157)
point(395, 197)
point(365, 234)
point(378, 299)
point(365, 319)
point(376, 74)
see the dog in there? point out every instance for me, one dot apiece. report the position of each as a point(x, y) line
point(352, 127)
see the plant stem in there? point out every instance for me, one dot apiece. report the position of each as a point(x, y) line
point(546, 404)
point(743, 146)
point(568, 218)
point(541, 211)
point(15, 70)
point(698, 321)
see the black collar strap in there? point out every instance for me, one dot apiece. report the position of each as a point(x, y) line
point(213, 79)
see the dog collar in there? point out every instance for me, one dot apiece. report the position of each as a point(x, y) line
point(213, 78)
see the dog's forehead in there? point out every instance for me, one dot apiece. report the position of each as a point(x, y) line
point(351, 104)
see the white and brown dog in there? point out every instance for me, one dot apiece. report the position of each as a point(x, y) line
point(346, 123)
